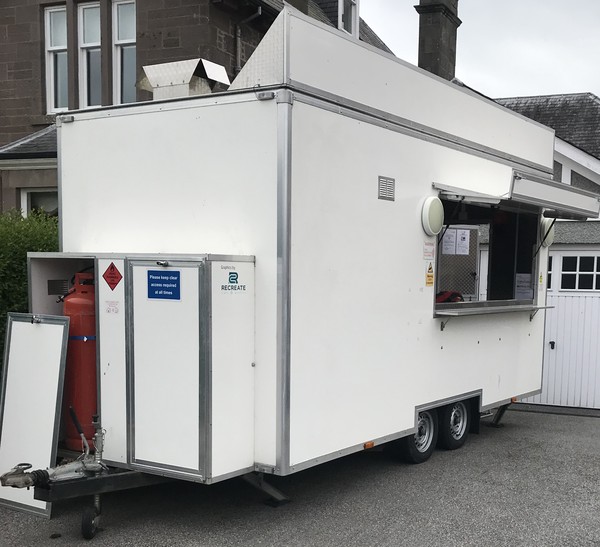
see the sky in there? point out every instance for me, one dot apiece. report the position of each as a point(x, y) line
point(507, 48)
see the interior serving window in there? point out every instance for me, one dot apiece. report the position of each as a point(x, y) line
point(486, 254)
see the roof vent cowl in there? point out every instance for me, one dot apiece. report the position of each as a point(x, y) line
point(183, 78)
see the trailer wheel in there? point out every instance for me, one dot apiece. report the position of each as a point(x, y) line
point(454, 425)
point(89, 522)
point(418, 448)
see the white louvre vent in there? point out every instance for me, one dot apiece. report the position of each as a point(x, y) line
point(386, 188)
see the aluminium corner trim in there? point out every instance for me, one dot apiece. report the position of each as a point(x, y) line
point(447, 401)
point(347, 451)
point(491, 406)
point(287, 16)
point(205, 373)
point(129, 364)
point(529, 394)
point(59, 173)
point(284, 175)
point(230, 475)
point(97, 277)
point(172, 472)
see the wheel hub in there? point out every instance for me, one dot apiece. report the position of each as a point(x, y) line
point(458, 420)
point(424, 434)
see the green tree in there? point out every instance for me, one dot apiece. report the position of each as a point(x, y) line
point(18, 236)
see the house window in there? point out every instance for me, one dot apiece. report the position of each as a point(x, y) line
point(55, 20)
point(348, 19)
point(549, 287)
point(580, 273)
point(509, 234)
point(39, 199)
point(90, 72)
point(124, 73)
point(93, 58)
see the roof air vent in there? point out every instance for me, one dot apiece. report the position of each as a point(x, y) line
point(183, 78)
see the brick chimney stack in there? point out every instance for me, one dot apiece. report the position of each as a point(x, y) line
point(438, 23)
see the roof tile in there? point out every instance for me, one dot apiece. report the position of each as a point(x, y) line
point(41, 144)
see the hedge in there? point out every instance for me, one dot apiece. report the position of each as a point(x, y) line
point(18, 235)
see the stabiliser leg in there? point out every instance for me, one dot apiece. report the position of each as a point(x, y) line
point(276, 497)
point(498, 416)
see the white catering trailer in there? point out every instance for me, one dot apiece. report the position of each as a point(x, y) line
point(287, 272)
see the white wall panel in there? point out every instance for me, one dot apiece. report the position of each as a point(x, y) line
point(111, 314)
point(195, 176)
point(232, 326)
point(329, 60)
point(365, 349)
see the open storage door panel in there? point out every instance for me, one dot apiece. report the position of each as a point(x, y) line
point(31, 398)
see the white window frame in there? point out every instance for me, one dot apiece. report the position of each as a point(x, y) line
point(558, 272)
point(83, 48)
point(51, 52)
point(26, 195)
point(118, 45)
point(354, 17)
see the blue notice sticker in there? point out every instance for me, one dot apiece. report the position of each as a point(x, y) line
point(164, 284)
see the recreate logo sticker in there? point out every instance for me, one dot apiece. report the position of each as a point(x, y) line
point(233, 281)
point(112, 276)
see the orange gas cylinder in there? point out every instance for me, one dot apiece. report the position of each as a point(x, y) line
point(80, 374)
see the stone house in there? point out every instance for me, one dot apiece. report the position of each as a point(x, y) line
point(69, 55)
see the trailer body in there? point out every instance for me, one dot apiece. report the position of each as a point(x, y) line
point(308, 182)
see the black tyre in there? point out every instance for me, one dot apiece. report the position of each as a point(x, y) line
point(89, 522)
point(418, 448)
point(454, 425)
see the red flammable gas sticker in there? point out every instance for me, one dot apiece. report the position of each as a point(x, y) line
point(112, 276)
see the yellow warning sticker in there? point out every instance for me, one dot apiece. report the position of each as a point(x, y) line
point(429, 275)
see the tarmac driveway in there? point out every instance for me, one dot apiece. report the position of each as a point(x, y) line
point(534, 482)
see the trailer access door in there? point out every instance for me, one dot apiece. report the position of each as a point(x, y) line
point(165, 361)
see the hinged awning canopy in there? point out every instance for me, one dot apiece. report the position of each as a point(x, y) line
point(557, 200)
